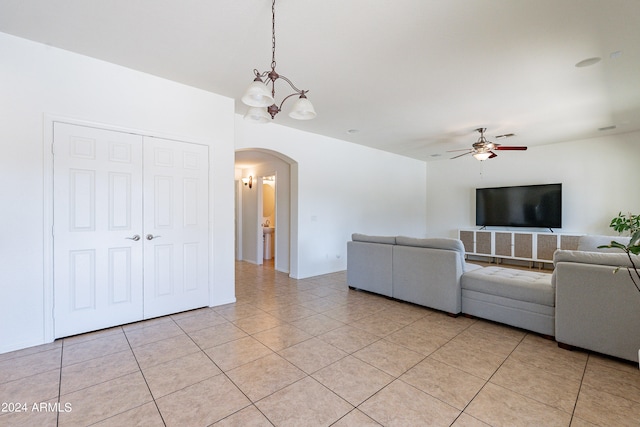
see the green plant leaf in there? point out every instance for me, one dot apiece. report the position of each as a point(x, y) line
point(627, 222)
point(617, 245)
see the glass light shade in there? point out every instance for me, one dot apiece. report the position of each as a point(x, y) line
point(482, 156)
point(257, 115)
point(302, 110)
point(257, 95)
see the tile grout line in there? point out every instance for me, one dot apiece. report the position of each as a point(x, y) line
point(144, 378)
point(60, 381)
point(575, 404)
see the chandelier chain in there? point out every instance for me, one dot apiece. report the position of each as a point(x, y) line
point(273, 35)
point(255, 95)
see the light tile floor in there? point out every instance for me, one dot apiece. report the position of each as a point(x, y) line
point(314, 353)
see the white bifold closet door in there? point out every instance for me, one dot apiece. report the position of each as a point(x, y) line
point(130, 228)
point(176, 215)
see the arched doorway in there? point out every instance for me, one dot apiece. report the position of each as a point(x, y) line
point(256, 164)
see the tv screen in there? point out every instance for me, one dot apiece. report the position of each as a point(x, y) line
point(521, 206)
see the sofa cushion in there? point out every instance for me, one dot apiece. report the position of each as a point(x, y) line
point(521, 285)
point(388, 240)
point(432, 242)
point(591, 243)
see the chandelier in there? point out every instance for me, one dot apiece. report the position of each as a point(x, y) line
point(258, 96)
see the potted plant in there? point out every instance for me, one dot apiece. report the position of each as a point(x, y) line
point(631, 223)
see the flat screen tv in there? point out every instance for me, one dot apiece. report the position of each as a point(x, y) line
point(535, 206)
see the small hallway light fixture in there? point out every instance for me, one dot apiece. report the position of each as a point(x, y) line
point(248, 181)
point(258, 96)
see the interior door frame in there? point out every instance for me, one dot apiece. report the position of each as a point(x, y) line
point(262, 176)
point(259, 228)
point(47, 227)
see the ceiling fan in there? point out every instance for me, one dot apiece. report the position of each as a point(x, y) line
point(483, 149)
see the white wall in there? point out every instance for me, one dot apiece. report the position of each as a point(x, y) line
point(342, 188)
point(598, 176)
point(36, 80)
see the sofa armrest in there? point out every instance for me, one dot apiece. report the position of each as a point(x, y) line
point(596, 309)
point(369, 267)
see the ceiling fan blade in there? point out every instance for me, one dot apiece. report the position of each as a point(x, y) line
point(492, 155)
point(453, 151)
point(510, 147)
point(460, 155)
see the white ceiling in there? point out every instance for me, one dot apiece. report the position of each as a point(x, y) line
point(413, 77)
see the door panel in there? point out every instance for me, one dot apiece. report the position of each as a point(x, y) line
point(82, 279)
point(176, 174)
point(97, 209)
point(119, 275)
point(119, 201)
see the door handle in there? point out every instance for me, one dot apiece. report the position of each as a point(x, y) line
point(151, 237)
point(134, 238)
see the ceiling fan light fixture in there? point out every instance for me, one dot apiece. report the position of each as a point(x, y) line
point(482, 156)
point(483, 149)
point(259, 95)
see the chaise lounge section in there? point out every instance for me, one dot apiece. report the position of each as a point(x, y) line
point(524, 299)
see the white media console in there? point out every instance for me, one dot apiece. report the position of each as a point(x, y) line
point(519, 245)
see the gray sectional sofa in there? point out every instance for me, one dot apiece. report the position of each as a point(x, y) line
point(582, 304)
point(432, 272)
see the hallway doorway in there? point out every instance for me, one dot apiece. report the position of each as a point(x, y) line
point(266, 209)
